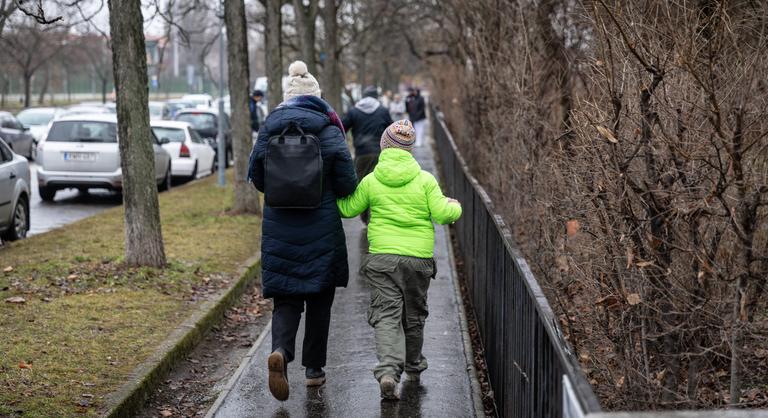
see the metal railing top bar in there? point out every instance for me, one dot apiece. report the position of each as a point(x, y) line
point(564, 352)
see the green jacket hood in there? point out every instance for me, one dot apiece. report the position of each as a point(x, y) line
point(396, 167)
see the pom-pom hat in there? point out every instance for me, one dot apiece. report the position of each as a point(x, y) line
point(300, 82)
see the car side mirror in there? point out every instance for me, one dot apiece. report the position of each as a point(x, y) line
point(164, 141)
point(25, 128)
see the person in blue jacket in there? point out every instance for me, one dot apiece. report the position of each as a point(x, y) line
point(303, 251)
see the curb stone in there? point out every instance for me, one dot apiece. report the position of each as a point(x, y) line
point(145, 378)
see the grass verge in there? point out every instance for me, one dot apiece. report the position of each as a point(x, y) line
point(87, 320)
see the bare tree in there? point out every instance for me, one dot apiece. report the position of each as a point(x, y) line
point(306, 19)
point(246, 196)
point(143, 236)
point(331, 67)
point(274, 50)
point(30, 47)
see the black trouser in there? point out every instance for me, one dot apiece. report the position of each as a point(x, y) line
point(285, 323)
point(364, 165)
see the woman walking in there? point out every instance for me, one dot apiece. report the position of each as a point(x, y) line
point(304, 254)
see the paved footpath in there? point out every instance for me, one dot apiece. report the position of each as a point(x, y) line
point(351, 390)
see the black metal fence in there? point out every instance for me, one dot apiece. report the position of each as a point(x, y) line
point(528, 359)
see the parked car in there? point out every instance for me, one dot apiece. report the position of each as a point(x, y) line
point(14, 194)
point(16, 135)
point(110, 106)
point(81, 151)
point(159, 111)
point(38, 119)
point(206, 123)
point(85, 110)
point(174, 105)
point(191, 156)
point(200, 100)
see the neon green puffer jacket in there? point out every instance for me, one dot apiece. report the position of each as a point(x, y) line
point(404, 200)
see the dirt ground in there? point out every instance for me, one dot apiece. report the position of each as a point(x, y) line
point(194, 384)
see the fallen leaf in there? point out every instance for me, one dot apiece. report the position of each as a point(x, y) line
point(642, 264)
point(16, 299)
point(86, 395)
point(607, 134)
point(8, 269)
point(562, 263)
point(572, 227)
point(166, 413)
point(72, 277)
point(630, 257)
point(633, 299)
point(620, 382)
point(24, 365)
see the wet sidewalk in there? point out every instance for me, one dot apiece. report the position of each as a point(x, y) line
point(351, 390)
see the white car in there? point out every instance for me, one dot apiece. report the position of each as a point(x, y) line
point(159, 110)
point(191, 156)
point(81, 151)
point(38, 119)
point(200, 100)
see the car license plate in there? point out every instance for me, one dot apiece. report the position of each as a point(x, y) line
point(80, 156)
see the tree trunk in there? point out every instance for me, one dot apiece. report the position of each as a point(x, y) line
point(274, 53)
point(332, 86)
point(143, 236)
point(246, 196)
point(44, 88)
point(306, 16)
point(27, 89)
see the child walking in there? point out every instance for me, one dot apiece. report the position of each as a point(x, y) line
point(404, 200)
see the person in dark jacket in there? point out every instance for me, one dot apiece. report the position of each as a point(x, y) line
point(303, 251)
point(367, 121)
point(417, 113)
point(254, 105)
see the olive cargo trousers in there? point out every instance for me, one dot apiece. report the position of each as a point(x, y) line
point(398, 309)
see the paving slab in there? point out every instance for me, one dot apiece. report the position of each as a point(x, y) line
point(351, 390)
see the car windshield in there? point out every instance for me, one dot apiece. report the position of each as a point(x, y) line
point(155, 109)
point(34, 117)
point(198, 120)
point(173, 134)
point(82, 131)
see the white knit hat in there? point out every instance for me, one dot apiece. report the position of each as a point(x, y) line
point(300, 82)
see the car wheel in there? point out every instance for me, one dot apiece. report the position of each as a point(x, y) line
point(166, 184)
point(19, 222)
point(228, 159)
point(47, 193)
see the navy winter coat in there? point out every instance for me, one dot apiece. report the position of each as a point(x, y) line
point(303, 251)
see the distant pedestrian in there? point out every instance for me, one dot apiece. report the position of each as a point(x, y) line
point(417, 113)
point(404, 201)
point(303, 251)
point(257, 113)
point(397, 107)
point(367, 121)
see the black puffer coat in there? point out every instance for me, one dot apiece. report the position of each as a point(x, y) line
point(303, 251)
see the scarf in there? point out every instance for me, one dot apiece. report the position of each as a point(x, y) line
point(317, 104)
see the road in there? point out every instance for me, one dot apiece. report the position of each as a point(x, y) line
point(69, 206)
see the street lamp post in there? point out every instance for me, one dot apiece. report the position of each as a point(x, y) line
point(222, 146)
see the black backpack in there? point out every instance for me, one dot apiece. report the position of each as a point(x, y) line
point(293, 170)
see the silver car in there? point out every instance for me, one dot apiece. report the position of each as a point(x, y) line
point(14, 194)
point(81, 151)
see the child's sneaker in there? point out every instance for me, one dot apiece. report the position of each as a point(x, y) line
point(388, 387)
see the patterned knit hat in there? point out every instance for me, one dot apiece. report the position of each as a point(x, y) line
point(399, 135)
